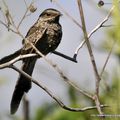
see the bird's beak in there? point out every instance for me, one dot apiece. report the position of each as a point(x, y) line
point(60, 14)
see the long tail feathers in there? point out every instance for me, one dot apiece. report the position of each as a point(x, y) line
point(23, 84)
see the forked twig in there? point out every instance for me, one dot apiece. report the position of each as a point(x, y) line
point(101, 24)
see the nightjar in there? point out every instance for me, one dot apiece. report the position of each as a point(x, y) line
point(45, 35)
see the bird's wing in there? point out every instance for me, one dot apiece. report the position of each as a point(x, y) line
point(33, 35)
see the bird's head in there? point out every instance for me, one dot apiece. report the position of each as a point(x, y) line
point(51, 15)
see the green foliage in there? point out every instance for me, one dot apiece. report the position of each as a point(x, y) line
point(116, 18)
point(111, 96)
point(113, 34)
point(45, 109)
point(61, 114)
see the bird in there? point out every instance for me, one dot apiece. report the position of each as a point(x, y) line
point(45, 35)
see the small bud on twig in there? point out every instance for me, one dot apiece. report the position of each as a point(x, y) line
point(32, 8)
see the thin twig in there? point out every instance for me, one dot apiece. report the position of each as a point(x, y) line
point(4, 24)
point(65, 56)
point(24, 16)
point(66, 13)
point(71, 83)
point(101, 24)
point(108, 57)
point(20, 57)
point(25, 3)
point(6, 14)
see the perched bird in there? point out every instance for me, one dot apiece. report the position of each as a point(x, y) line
point(45, 35)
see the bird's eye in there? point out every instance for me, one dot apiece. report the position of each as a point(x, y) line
point(48, 14)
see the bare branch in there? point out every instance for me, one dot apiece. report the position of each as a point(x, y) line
point(6, 14)
point(101, 24)
point(67, 14)
point(25, 15)
point(91, 57)
point(65, 56)
point(53, 96)
point(20, 57)
point(25, 3)
point(4, 24)
point(108, 57)
point(67, 80)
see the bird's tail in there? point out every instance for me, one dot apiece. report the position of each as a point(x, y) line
point(23, 84)
point(10, 57)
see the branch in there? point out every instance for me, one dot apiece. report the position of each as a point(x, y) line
point(53, 96)
point(4, 24)
point(65, 56)
point(54, 52)
point(106, 61)
point(71, 83)
point(26, 105)
point(20, 57)
point(67, 14)
point(65, 78)
point(25, 14)
point(91, 56)
point(101, 24)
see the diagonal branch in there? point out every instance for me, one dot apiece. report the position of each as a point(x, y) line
point(108, 57)
point(20, 57)
point(101, 24)
point(25, 14)
point(4, 24)
point(71, 83)
point(53, 96)
point(65, 78)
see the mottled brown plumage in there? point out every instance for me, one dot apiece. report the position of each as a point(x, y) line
point(46, 35)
